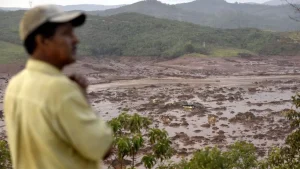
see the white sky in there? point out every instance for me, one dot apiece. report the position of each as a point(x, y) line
point(25, 3)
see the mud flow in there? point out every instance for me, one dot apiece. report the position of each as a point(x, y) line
point(199, 101)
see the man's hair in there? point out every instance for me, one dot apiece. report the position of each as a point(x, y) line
point(47, 30)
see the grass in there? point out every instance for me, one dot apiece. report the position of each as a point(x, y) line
point(228, 52)
point(194, 55)
point(10, 52)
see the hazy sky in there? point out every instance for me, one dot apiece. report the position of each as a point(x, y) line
point(25, 3)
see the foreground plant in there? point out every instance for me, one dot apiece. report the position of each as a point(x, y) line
point(133, 133)
point(5, 160)
point(287, 156)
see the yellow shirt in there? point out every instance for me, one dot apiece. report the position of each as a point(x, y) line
point(50, 124)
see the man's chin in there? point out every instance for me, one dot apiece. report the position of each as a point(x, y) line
point(70, 61)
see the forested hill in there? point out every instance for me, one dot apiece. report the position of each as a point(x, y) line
point(133, 34)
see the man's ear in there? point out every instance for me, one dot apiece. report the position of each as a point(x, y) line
point(39, 40)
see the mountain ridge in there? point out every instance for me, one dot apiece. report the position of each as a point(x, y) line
point(216, 13)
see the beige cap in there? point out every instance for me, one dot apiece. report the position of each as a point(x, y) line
point(37, 16)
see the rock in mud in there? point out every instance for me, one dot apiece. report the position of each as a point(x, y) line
point(224, 125)
point(205, 125)
point(215, 128)
point(219, 113)
point(245, 117)
point(224, 118)
point(259, 136)
point(174, 125)
point(197, 131)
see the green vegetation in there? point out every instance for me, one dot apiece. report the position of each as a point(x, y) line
point(132, 34)
point(240, 155)
point(229, 52)
point(5, 160)
point(288, 156)
point(10, 52)
point(132, 134)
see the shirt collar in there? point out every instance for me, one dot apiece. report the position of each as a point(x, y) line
point(40, 66)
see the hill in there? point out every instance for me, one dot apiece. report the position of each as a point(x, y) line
point(216, 13)
point(157, 9)
point(281, 2)
point(132, 34)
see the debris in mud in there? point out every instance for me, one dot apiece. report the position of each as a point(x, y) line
point(245, 117)
point(219, 103)
point(223, 118)
point(215, 128)
point(219, 113)
point(174, 125)
point(219, 97)
point(218, 139)
point(219, 109)
point(92, 95)
point(259, 136)
point(167, 119)
point(185, 97)
point(117, 164)
point(252, 90)
point(205, 125)
point(220, 132)
point(197, 131)
point(185, 123)
point(224, 125)
point(212, 119)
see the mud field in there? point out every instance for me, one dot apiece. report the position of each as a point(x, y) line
point(199, 101)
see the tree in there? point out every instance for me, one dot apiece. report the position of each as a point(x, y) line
point(5, 160)
point(242, 155)
point(132, 133)
point(287, 156)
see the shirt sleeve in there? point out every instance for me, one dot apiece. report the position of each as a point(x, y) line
point(88, 134)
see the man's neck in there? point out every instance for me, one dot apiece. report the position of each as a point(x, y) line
point(47, 59)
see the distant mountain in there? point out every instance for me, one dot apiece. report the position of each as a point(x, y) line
point(159, 10)
point(216, 13)
point(81, 7)
point(281, 2)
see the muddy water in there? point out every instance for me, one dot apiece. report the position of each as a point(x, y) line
point(219, 81)
point(227, 98)
point(245, 104)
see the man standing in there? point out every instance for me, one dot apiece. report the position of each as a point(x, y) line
point(50, 124)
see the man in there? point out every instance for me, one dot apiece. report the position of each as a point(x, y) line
point(50, 124)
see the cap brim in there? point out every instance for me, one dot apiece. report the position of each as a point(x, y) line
point(75, 18)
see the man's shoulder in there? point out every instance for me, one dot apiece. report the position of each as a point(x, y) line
point(15, 80)
point(63, 85)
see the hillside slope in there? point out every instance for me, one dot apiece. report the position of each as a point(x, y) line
point(216, 13)
point(133, 34)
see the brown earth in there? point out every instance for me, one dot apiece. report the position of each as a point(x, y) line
point(243, 95)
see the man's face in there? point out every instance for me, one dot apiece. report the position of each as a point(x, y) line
point(62, 46)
